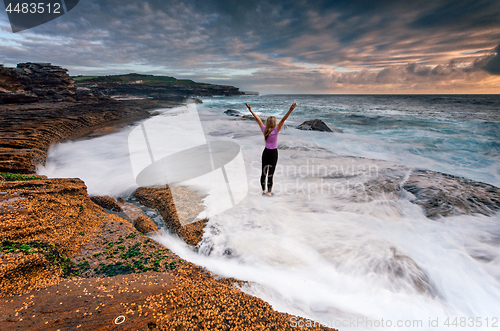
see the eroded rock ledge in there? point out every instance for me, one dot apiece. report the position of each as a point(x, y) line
point(30, 82)
point(27, 131)
point(161, 199)
point(442, 194)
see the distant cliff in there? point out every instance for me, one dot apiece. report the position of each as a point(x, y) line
point(33, 82)
point(150, 86)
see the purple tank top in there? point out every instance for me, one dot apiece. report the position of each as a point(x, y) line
point(272, 140)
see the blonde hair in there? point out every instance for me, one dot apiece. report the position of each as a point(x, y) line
point(270, 125)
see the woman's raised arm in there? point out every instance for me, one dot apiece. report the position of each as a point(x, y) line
point(280, 124)
point(255, 115)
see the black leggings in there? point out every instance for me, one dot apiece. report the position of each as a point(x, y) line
point(269, 160)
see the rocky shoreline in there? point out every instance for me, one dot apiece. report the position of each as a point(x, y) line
point(71, 261)
point(68, 261)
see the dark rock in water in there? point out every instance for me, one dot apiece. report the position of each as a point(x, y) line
point(232, 112)
point(250, 117)
point(445, 195)
point(404, 270)
point(198, 101)
point(235, 113)
point(317, 125)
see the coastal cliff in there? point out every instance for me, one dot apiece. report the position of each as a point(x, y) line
point(154, 87)
point(31, 82)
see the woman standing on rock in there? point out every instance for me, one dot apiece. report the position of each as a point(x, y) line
point(270, 153)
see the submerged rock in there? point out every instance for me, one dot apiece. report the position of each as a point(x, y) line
point(251, 118)
point(317, 125)
point(232, 112)
point(404, 270)
point(442, 194)
point(439, 194)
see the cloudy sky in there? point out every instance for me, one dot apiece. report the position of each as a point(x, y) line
point(345, 46)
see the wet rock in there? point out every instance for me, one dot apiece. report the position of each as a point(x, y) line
point(188, 204)
point(107, 202)
point(145, 225)
point(251, 118)
point(118, 248)
point(61, 306)
point(443, 195)
point(160, 198)
point(192, 299)
point(193, 232)
point(131, 211)
point(404, 270)
point(232, 112)
point(317, 125)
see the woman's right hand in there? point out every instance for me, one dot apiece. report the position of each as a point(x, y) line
point(259, 121)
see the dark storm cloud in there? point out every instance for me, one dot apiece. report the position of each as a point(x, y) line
point(254, 42)
point(493, 65)
point(460, 15)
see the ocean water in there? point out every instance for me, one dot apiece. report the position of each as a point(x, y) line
point(333, 245)
point(459, 135)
